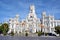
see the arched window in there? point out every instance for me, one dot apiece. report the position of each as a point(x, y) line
point(31, 16)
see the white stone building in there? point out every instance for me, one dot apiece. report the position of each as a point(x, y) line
point(49, 23)
point(32, 23)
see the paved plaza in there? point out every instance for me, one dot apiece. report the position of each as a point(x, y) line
point(28, 38)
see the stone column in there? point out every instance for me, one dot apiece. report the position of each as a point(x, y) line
point(44, 23)
point(14, 28)
point(50, 24)
point(33, 28)
point(53, 21)
point(10, 27)
point(56, 23)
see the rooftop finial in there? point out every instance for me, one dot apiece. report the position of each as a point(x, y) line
point(17, 15)
point(44, 13)
point(32, 8)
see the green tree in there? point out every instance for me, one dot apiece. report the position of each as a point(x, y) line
point(5, 28)
point(1, 31)
point(57, 29)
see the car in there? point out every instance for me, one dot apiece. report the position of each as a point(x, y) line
point(50, 34)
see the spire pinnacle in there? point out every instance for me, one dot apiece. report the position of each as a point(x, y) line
point(32, 8)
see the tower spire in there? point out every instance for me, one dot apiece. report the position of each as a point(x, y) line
point(32, 12)
point(32, 9)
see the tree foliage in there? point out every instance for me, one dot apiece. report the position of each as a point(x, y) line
point(1, 30)
point(57, 29)
point(4, 28)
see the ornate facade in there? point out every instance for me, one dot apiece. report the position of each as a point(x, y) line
point(49, 23)
point(32, 23)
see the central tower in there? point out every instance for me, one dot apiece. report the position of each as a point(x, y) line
point(32, 19)
point(32, 14)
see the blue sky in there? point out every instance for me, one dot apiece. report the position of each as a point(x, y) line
point(9, 8)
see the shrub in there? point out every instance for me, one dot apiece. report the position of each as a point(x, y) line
point(46, 34)
point(12, 33)
point(26, 34)
point(39, 33)
point(4, 33)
